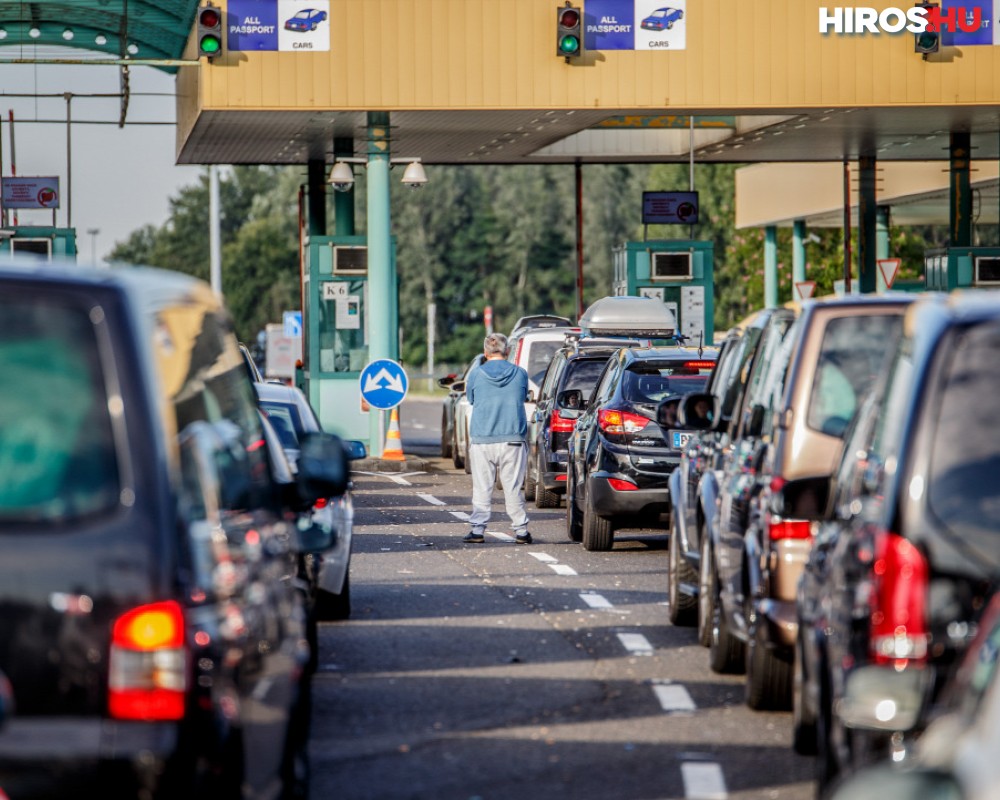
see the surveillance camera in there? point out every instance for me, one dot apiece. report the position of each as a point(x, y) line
point(341, 177)
point(342, 186)
point(414, 176)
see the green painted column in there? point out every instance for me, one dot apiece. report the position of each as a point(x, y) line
point(882, 232)
point(770, 266)
point(343, 202)
point(961, 189)
point(867, 268)
point(798, 252)
point(381, 288)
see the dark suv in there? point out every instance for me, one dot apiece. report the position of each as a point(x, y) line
point(620, 457)
point(150, 625)
point(907, 550)
point(575, 369)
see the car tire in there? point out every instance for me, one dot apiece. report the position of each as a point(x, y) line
point(725, 651)
point(457, 456)
point(803, 721)
point(466, 465)
point(543, 497)
point(529, 482)
point(598, 532)
point(670, 25)
point(574, 519)
point(332, 607)
point(682, 608)
point(706, 593)
point(768, 686)
point(445, 439)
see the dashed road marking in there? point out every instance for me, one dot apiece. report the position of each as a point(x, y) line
point(674, 698)
point(595, 600)
point(636, 644)
point(703, 781)
point(429, 498)
point(563, 569)
point(460, 515)
point(544, 557)
point(503, 537)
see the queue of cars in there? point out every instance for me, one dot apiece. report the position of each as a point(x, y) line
point(153, 626)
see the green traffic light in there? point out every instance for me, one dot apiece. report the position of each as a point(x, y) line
point(926, 42)
point(210, 45)
point(569, 45)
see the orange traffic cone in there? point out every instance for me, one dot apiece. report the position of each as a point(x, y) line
point(393, 446)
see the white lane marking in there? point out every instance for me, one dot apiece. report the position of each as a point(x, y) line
point(674, 698)
point(460, 515)
point(563, 569)
point(544, 557)
point(595, 600)
point(399, 479)
point(503, 537)
point(429, 498)
point(636, 644)
point(703, 781)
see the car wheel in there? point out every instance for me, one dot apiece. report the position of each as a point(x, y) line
point(574, 519)
point(466, 465)
point(598, 532)
point(725, 651)
point(529, 482)
point(457, 456)
point(543, 497)
point(670, 25)
point(445, 438)
point(330, 606)
point(769, 679)
point(803, 719)
point(682, 607)
point(706, 593)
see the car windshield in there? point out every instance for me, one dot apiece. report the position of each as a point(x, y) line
point(851, 357)
point(661, 13)
point(963, 490)
point(57, 452)
point(303, 14)
point(285, 419)
point(649, 384)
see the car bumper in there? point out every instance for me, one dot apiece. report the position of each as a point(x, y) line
point(553, 478)
point(610, 502)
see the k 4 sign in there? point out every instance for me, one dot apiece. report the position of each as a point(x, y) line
point(635, 25)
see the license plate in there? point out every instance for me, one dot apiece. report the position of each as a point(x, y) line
point(679, 439)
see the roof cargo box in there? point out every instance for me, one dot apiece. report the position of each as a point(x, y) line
point(628, 316)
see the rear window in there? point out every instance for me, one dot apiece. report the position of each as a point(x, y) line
point(285, 420)
point(963, 489)
point(57, 453)
point(651, 383)
point(852, 355)
point(583, 374)
point(539, 355)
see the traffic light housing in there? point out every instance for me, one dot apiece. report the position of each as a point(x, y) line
point(209, 31)
point(569, 32)
point(928, 41)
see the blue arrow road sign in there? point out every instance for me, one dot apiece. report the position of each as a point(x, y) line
point(384, 384)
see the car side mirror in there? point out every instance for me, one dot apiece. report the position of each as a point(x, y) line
point(323, 470)
point(458, 387)
point(447, 381)
point(666, 414)
point(697, 411)
point(570, 399)
point(355, 450)
point(531, 397)
point(803, 498)
point(755, 421)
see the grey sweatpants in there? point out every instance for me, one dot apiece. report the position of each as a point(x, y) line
point(511, 463)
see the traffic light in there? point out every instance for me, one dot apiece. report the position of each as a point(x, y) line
point(209, 31)
point(569, 32)
point(928, 41)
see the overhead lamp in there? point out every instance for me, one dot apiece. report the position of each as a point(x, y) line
point(133, 48)
point(34, 33)
point(414, 175)
point(341, 177)
point(100, 40)
point(67, 34)
point(3, 33)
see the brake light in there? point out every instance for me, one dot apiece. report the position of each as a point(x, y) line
point(561, 478)
point(560, 424)
point(320, 503)
point(147, 664)
point(778, 529)
point(699, 365)
point(898, 602)
point(622, 486)
point(613, 421)
point(517, 353)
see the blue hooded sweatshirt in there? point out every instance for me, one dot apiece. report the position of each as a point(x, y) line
point(497, 391)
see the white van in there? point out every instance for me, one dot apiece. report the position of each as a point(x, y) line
point(533, 348)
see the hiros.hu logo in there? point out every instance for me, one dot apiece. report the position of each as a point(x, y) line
point(919, 19)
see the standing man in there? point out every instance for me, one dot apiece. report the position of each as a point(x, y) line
point(497, 391)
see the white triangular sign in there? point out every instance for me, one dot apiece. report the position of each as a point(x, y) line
point(889, 267)
point(805, 289)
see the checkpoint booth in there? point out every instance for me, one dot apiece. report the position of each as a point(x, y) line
point(950, 268)
point(679, 273)
point(38, 241)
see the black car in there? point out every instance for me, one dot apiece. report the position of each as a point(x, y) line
point(574, 368)
point(455, 384)
point(907, 550)
point(620, 456)
point(151, 625)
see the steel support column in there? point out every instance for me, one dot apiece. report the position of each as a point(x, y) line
point(961, 189)
point(770, 266)
point(798, 252)
point(882, 232)
point(380, 283)
point(867, 206)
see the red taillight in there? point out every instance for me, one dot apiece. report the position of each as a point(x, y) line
point(614, 421)
point(899, 602)
point(561, 478)
point(622, 486)
point(320, 503)
point(699, 365)
point(147, 665)
point(778, 529)
point(517, 353)
point(560, 424)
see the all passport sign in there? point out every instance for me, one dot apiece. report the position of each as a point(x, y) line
point(384, 384)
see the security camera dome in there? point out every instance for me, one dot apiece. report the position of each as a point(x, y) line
point(414, 176)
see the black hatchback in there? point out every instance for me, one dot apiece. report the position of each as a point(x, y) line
point(620, 456)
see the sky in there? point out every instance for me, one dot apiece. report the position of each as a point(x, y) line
point(122, 178)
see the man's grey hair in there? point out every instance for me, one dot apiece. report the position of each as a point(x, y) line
point(495, 345)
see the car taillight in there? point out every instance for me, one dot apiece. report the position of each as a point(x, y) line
point(699, 365)
point(517, 353)
point(321, 502)
point(148, 665)
point(622, 486)
point(560, 424)
point(614, 421)
point(778, 529)
point(898, 602)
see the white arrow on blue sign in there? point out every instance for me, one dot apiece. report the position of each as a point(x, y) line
point(384, 384)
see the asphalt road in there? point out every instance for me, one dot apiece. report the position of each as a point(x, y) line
point(500, 671)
